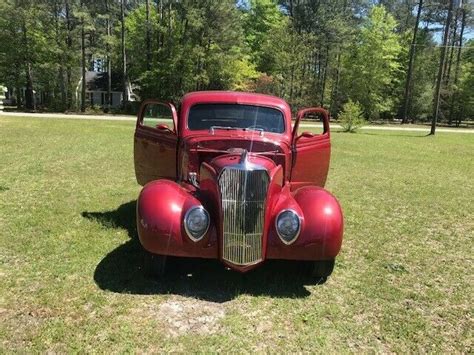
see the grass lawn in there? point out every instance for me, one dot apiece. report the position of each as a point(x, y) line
point(70, 275)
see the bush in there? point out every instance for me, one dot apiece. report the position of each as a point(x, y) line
point(94, 110)
point(351, 116)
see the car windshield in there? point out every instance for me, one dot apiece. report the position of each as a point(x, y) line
point(235, 116)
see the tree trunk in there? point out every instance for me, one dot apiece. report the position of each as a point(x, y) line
point(456, 70)
point(170, 9)
point(449, 62)
point(411, 61)
point(318, 66)
point(160, 32)
point(291, 83)
point(29, 94)
point(335, 92)
point(62, 87)
point(148, 36)
point(169, 25)
point(18, 93)
point(83, 64)
point(179, 82)
point(124, 55)
point(68, 61)
point(108, 99)
point(61, 56)
point(334, 103)
point(300, 92)
point(323, 85)
point(440, 68)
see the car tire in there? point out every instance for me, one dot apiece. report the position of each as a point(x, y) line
point(320, 270)
point(154, 265)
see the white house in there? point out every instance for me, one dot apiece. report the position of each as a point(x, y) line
point(96, 90)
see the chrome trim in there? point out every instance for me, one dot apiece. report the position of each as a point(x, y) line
point(243, 164)
point(213, 128)
point(194, 239)
point(243, 194)
point(299, 226)
point(192, 177)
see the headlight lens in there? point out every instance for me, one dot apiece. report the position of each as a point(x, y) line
point(196, 223)
point(288, 225)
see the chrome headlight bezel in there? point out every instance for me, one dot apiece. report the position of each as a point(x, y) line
point(196, 237)
point(297, 233)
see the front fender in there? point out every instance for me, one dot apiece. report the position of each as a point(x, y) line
point(161, 207)
point(324, 222)
point(321, 230)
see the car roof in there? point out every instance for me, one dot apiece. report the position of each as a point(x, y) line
point(233, 97)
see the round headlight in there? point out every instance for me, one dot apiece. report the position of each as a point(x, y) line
point(288, 225)
point(196, 223)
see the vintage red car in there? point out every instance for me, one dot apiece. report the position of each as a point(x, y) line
point(230, 178)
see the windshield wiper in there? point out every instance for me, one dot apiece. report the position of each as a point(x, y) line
point(212, 128)
point(261, 130)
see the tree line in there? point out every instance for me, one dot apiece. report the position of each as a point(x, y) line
point(396, 59)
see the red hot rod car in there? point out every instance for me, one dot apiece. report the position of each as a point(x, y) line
point(229, 178)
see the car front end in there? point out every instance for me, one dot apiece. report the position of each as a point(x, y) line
point(241, 212)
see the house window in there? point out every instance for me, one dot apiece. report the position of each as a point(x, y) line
point(99, 65)
point(90, 98)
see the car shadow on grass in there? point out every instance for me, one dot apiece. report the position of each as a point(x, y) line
point(121, 270)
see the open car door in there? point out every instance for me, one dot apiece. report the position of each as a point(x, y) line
point(156, 142)
point(310, 152)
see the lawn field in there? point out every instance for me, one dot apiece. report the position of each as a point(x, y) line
point(70, 262)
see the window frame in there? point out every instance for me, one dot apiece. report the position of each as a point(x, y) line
point(284, 128)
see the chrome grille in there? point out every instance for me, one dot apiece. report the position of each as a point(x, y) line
point(243, 194)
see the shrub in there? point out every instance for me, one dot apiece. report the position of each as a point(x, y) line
point(351, 116)
point(94, 110)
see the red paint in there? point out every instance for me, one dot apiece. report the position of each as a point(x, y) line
point(160, 211)
point(297, 164)
point(311, 154)
point(154, 144)
point(322, 228)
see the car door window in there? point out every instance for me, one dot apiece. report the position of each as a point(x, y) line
point(311, 150)
point(156, 141)
point(158, 115)
point(312, 122)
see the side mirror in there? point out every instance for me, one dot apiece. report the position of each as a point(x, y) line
point(163, 127)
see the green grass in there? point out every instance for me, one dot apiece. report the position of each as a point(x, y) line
point(70, 276)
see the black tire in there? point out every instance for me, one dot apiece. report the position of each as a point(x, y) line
point(320, 270)
point(154, 265)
